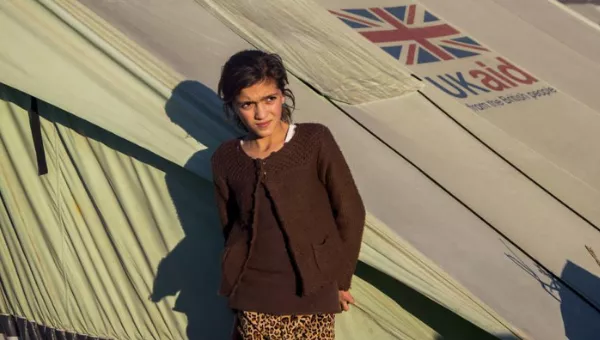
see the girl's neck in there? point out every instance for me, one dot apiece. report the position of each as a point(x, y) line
point(275, 140)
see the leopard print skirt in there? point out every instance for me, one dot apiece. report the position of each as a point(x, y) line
point(260, 326)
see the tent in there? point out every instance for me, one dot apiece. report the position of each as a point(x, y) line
point(586, 10)
point(473, 155)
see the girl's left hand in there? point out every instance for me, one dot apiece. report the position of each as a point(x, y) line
point(346, 299)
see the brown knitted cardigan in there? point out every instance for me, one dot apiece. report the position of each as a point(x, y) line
point(316, 202)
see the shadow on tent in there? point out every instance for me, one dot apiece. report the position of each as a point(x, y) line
point(191, 270)
point(580, 318)
point(448, 325)
point(192, 267)
point(593, 2)
point(580, 323)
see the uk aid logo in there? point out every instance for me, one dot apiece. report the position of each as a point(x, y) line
point(423, 42)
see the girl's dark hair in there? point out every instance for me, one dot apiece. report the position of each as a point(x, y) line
point(247, 68)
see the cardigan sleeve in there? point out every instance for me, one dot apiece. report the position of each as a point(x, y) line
point(347, 205)
point(222, 199)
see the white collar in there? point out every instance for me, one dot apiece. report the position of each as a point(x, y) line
point(288, 135)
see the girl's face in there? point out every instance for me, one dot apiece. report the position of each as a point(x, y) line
point(259, 107)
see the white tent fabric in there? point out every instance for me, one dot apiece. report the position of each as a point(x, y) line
point(195, 45)
point(517, 104)
point(556, 128)
point(89, 261)
point(546, 41)
point(100, 190)
point(587, 11)
point(498, 98)
point(317, 49)
point(549, 160)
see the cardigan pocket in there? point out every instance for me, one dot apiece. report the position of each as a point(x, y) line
point(325, 255)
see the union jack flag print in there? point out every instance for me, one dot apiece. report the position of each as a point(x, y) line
point(410, 33)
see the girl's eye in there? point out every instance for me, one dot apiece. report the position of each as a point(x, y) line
point(245, 106)
point(270, 99)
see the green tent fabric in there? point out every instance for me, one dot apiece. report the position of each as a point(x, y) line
point(94, 206)
point(102, 243)
point(112, 242)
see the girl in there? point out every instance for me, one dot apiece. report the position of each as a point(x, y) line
point(291, 214)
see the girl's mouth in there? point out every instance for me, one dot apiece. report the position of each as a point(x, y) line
point(263, 125)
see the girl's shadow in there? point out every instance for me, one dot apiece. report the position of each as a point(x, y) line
point(192, 268)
